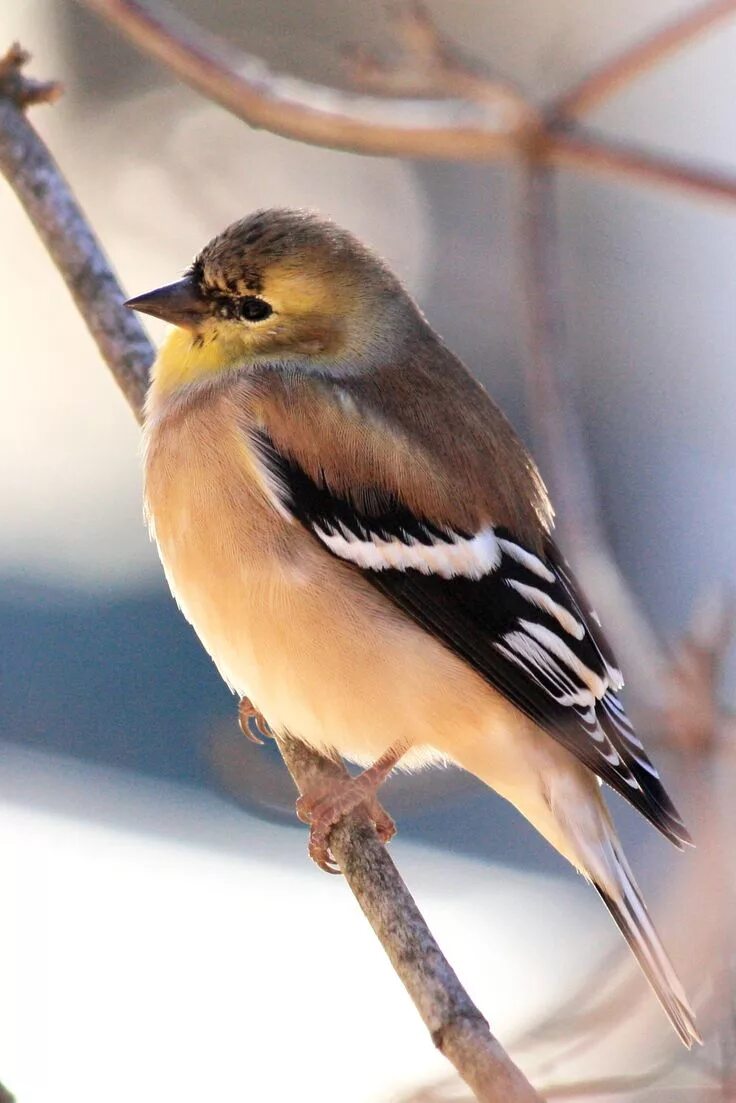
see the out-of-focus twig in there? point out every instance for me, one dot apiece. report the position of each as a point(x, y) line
point(557, 430)
point(457, 1027)
point(692, 719)
point(588, 152)
point(471, 116)
point(639, 58)
point(559, 444)
point(428, 65)
point(5, 1096)
point(476, 129)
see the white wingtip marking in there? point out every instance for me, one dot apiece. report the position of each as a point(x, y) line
point(467, 558)
point(532, 562)
point(543, 601)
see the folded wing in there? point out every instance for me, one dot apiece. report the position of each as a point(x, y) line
point(516, 616)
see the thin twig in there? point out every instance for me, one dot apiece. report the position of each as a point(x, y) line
point(37, 181)
point(589, 152)
point(428, 65)
point(476, 117)
point(242, 83)
point(557, 431)
point(639, 58)
point(457, 1027)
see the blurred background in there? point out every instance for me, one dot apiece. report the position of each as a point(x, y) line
point(162, 932)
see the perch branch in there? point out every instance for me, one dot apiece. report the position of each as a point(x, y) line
point(457, 1027)
point(49, 203)
point(639, 58)
point(480, 129)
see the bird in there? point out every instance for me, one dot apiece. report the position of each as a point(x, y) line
point(365, 548)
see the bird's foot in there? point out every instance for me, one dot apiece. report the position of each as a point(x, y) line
point(252, 723)
point(324, 809)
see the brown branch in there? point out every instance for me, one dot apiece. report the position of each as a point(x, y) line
point(592, 153)
point(49, 203)
point(457, 1027)
point(427, 64)
point(477, 117)
point(243, 84)
point(642, 56)
point(559, 441)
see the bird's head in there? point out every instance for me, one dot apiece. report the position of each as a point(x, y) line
point(278, 286)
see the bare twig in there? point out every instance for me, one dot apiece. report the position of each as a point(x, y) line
point(37, 181)
point(588, 152)
point(559, 441)
point(477, 118)
point(557, 431)
point(428, 65)
point(457, 1027)
point(639, 58)
point(244, 85)
point(691, 719)
point(21, 89)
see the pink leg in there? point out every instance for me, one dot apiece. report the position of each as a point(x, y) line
point(323, 809)
point(247, 714)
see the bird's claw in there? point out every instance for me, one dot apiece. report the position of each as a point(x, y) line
point(249, 715)
point(323, 811)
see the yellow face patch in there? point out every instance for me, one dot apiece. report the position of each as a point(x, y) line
point(188, 356)
point(309, 306)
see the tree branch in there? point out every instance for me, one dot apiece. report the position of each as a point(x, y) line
point(638, 58)
point(474, 116)
point(457, 1027)
point(49, 203)
point(592, 153)
point(478, 129)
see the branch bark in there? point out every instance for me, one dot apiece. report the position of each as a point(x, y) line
point(456, 1025)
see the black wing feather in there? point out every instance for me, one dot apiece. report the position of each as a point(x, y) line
point(473, 617)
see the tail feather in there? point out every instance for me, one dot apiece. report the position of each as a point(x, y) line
point(632, 919)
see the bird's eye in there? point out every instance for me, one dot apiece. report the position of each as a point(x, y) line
point(253, 309)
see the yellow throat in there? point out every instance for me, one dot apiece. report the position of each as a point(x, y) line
point(186, 357)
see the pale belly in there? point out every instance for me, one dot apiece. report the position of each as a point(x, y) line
point(316, 648)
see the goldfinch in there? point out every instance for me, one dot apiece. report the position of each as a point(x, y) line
point(364, 547)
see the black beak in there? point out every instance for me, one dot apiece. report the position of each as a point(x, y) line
point(182, 303)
